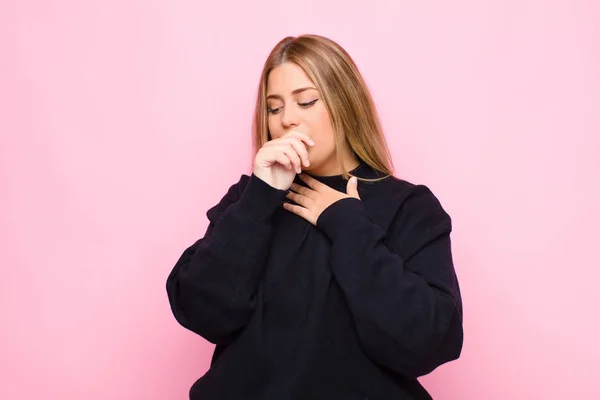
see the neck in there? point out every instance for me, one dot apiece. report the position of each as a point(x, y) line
point(332, 168)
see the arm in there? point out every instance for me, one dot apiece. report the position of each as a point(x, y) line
point(212, 287)
point(407, 305)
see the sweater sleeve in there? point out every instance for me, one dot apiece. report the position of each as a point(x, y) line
point(406, 304)
point(212, 286)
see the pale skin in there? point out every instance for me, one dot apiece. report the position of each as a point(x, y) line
point(302, 139)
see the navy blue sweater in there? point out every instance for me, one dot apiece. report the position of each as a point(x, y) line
point(357, 307)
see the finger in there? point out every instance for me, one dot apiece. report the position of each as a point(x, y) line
point(304, 191)
point(300, 211)
point(352, 188)
point(291, 158)
point(282, 159)
point(301, 136)
point(300, 148)
point(290, 152)
point(313, 183)
point(298, 199)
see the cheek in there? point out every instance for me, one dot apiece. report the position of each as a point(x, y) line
point(322, 133)
point(323, 130)
point(273, 130)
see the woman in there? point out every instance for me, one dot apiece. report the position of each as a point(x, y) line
point(311, 285)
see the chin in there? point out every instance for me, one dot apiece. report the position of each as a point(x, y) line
point(312, 167)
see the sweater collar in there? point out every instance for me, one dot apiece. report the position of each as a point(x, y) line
point(363, 170)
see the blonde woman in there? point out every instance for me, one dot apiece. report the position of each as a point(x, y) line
point(321, 275)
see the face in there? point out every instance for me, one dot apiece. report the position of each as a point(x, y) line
point(294, 103)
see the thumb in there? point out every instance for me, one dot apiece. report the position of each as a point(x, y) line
point(352, 188)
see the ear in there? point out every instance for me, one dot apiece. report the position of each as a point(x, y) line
point(352, 188)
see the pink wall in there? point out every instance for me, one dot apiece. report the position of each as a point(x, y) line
point(114, 116)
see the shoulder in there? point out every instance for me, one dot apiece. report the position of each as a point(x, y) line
point(232, 195)
point(417, 196)
point(409, 206)
point(419, 200)
point(410, 214)
point(241, 184)
point(236, 189)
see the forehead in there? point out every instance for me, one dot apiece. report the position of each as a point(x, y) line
point(286, 77)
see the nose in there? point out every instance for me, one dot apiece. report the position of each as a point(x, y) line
point(289, 118)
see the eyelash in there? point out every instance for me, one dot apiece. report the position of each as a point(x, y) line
point(305, 105)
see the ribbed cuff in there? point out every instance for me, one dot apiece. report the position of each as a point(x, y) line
point(341, 216)
point(260, 199)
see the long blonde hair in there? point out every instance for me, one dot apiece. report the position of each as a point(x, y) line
point(344, 93)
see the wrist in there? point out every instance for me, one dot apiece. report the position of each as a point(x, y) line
point(261, 199)
point(341, 216)
point(275, 182)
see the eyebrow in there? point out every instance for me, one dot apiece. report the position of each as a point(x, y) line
point(300, 90)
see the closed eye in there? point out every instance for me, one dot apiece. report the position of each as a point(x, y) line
point(310, 103)
point(304, 105)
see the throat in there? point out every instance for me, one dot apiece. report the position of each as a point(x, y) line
point(332, 168)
